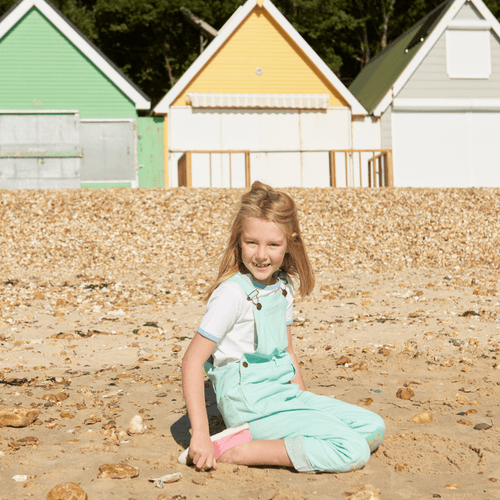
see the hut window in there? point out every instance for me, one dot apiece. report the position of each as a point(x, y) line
point(468, 54)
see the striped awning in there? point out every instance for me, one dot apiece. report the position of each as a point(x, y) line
point(287, 101)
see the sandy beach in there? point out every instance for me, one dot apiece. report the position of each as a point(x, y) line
point(100, 294)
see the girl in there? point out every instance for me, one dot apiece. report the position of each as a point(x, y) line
point(271, 418)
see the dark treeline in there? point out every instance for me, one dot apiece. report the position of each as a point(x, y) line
point(152, 42)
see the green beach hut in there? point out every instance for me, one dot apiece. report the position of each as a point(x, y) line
point(69, 117)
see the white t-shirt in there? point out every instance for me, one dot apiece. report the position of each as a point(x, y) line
point(229, 319)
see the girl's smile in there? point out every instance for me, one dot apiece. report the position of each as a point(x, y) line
point(263, 248)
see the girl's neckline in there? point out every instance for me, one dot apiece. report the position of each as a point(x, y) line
point(274, 286)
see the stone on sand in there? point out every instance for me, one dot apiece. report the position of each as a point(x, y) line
point(422, 418)
point(406, 393)
point(117, 471)
point(67, 491)
point(12, 416)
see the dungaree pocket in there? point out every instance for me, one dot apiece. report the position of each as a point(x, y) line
point(275, 321)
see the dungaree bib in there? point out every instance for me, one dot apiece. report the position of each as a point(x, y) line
point(320, 433)
point(251, 388)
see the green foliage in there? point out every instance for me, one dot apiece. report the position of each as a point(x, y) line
point(151, 41)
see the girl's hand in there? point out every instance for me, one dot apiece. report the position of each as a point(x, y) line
point(201, 452)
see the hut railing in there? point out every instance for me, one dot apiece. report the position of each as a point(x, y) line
point(377, 163)
point(184, 170)
point(348, 167)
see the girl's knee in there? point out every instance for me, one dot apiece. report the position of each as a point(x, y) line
point(351, 455)
point(358, 456)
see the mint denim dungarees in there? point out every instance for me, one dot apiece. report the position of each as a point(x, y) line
point(320, 433)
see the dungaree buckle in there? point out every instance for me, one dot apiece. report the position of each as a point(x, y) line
point(254, 297)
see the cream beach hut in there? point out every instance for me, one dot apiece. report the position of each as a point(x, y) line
point(259, 103)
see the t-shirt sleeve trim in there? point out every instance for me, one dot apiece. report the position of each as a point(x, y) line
point(208, 336)
point(288, 323)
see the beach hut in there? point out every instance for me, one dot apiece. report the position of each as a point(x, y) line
point(436, 91)
point(68, 115)
point(259, 103)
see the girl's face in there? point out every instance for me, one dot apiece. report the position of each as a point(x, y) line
point(263, 248)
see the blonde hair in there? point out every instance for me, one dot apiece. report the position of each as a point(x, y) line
point(264, 202)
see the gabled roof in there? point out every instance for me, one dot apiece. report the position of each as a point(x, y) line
point(388, 72)
point(229, 28)
point(77, 38)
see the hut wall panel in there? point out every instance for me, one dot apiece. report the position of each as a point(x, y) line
point(260, 43)
point(443, 162)
point(366, 133)
point(38, 132)
point(386, 129)
point(329, 129)
point(108, 151)
point(150, 154)
point(459, 149)
point(484, 154)
point(259, 130)
point(431, 78)
point(42, 69)
point(468, 11)
point(276, 169)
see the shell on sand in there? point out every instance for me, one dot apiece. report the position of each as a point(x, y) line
point(136, 425)
point(368, 492)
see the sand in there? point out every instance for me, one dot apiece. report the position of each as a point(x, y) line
point(90, 342)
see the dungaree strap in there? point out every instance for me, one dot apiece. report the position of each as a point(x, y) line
point(246, 283)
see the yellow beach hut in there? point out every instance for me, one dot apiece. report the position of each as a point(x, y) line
point(259, 103)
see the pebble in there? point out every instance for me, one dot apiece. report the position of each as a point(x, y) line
point(26, 441)
point(117, 471)
point(343, 360)
point(422, 418)
point(482, 427)
point(406, 393)
point(91, 420)
point(67, 491)
point(12, 416)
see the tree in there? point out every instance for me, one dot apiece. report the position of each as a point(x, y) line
point(151, 42)
point(326, 25)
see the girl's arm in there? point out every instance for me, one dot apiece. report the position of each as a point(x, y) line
point(201, 449)
point(298, 375)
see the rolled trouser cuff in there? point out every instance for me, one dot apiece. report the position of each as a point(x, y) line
point(297, 454)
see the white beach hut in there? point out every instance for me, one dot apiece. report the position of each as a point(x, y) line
point(436, 91)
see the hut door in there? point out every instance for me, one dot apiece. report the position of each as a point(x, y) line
point(109, 151)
